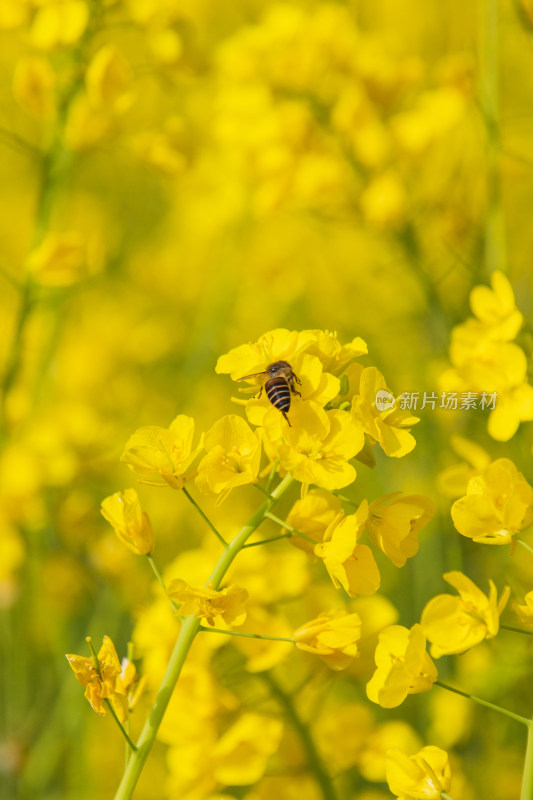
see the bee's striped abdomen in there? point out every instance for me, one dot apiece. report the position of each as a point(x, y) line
point(278, 392)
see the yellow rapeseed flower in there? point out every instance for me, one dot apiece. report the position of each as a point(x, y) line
point(315, 386)
point(233, 457)
point(350, 565)
point(59, 260)
point(335, 357)
point(403, 666)
point(425, 775)
point(525, 612)
point(496, 308)
point(277, 345)
point(498, 504)
point(484, 365)
point(333, 636)
point(59, 22)
point(207, 603)
point(34, 83)
point(373, 759)
point(342, 730)
point(107, 682)
point(384, 202)
point(389, 427)
point(240, 756)
point(166, 451)
point(131, 524)
point(394, 522)
point(109, 80)
point(14, 13)
point(484, 359)
point(453, 481)
point(513, 406)
point(319, 446)
point(455, 624)
point(311, 515)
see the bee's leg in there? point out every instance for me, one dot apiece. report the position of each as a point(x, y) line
point(291, 385)
point(286, 417)
point(257, 396)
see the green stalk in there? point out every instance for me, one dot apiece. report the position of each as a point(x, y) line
point(110, 708)
point(15, 352)
point(205, 518)
point(123, 730)
point(159, 579)
point(267, 541)
point(524, 544)
point(291, 529)
point(315, 763)
point(486, 703)
point(248, 635)
point(526, 792)
point(515, 630)
point(189, 629)
point(54, 164)
point(272, 475)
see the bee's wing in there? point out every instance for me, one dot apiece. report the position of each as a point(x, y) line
point(253, 375)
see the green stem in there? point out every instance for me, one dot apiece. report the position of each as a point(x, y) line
point(120, 725)
point(189, 629)
point(15, 352)
point(302, 729)
point(160, 579)
point(526, 792)
point(445, 796)
point(54, 165)
point(486, 703)
point(262, 489)
point(267, 541)
point(527, 546)
point(129, 656)
point(204, 517)
point(345, 499)
point(290, 528)
point(516, 630)
point(248, 635)
point(272, 475)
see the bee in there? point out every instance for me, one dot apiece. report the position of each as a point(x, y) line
point(278, 385)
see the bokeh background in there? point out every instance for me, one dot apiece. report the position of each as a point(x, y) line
point(178, 177)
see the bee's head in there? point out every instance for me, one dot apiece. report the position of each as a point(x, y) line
point(282, 368)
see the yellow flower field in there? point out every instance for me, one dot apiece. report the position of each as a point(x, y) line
point(265, 400)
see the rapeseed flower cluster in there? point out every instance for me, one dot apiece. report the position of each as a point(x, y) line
point(485, 357)
point(313, 442)
point(498, 504)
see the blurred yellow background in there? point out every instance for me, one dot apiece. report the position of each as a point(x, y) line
point(178, 177)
